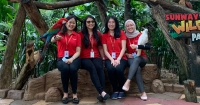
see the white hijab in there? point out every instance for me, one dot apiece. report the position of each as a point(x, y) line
point(134, 33)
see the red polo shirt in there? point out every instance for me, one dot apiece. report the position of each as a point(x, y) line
point(85, 52)
point(68, 43)
point(134, 41)
point(114, 45)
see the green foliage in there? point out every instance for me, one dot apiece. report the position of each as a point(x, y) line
point(195, 5)
point(140, 13)
point(4, 9)
point(166, 58)
point(6, 19)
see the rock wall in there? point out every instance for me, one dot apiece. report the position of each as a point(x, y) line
point(37, 87)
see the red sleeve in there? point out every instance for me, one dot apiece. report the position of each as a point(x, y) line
point(123, 35)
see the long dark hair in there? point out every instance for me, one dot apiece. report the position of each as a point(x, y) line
point(117, 28)
point(64, 28)
point(86, 41)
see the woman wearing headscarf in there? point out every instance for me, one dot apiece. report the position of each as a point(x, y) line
point(135, 62)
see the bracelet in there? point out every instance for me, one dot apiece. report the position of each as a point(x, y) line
point(72, 57)
point(119, 59)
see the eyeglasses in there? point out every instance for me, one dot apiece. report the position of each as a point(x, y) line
point(89, 22)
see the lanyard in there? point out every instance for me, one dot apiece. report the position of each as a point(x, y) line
point(113, 43)
point(92, 42)
point(67, 41)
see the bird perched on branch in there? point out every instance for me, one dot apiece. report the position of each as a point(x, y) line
point(50, 33)
point(143, 39)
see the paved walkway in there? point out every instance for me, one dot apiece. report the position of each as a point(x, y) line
point(166, 98)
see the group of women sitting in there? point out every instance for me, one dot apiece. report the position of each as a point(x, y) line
point(89, 48)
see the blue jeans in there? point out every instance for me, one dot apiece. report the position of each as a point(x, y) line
point(95, 68)
point(116, 74)
point(135, 70)
point(69, 72)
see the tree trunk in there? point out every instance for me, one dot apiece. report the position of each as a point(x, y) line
point(179, 47)
point(127, 13)
point(7, 63)
point(35, 17)
point(102, 11)
point(27, 68)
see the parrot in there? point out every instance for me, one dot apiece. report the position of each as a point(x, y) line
point(143, 39)
point(49, 34)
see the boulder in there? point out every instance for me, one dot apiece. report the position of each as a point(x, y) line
point(158, 86)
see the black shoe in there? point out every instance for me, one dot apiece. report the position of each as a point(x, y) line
point(100, 98)
point(75, 100)
point(106, 96)
point(65, 100)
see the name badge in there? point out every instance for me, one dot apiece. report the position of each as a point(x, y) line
point(91, 54)
point(113, 55)
point(134, 55)
point(64, 59)
point(66, 54)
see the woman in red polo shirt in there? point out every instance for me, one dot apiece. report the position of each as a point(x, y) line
point(68, 48)
point(135, 62)
point(92, 54)
point(114, 45)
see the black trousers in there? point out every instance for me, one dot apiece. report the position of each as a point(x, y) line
point(69, 72)
point(95, 68)
point(116, 74)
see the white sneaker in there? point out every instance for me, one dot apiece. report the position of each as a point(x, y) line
point(144, 98)
point(124, 88)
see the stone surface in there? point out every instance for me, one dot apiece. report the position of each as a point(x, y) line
point(168, 87)
point(149, 73)
point(3, 93)
point(167, 98)
point(38, 86)
point(198, 91)
point(6, 101)
point(157, 86)
point(34, 86)
point(53, 95)
point(88, 100)
point(15, 94)
point(53, 79)
point(178, 88)
point(39, 96)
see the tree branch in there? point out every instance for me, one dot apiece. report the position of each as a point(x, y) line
point(62, 4)
point(172, 6)
point(35, 17)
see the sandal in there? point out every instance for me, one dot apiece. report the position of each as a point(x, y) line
point(75, 100)
point(65, 100)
